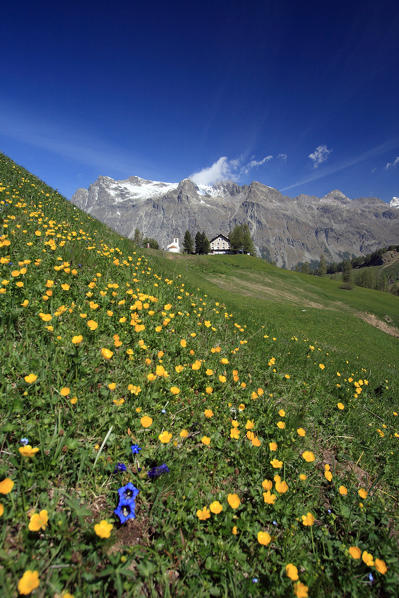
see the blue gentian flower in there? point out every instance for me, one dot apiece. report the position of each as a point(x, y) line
point(127, 494)
point(135, 449)
point(163, 411)
point(371, 578)
point(24, 441)
point(119, 467)
point(125, 511)
point(255, 580)
point(155, 472)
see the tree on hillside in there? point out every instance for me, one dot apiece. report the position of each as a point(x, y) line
point(322, 269)
point(240, 239)
point(202, 244)
point(149, 242)
point(347, 275)
point(138, 237)
point(188, 244)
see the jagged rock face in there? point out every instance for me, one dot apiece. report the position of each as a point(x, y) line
point(285, 230)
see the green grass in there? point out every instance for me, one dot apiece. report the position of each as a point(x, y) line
point(252, 360)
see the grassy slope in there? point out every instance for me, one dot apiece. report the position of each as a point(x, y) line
point(272, 384)
point(290, 303)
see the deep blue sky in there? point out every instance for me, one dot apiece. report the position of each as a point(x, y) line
point(163, 90)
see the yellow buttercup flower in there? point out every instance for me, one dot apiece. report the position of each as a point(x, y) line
point(291, 571)
point(233, 500)
point(301, 591)
point(235, 433)
point(28, 582)
point(65, 391)
point(30, 378)
point(367, 558)
point(206, 440)
point(38, 521)
point(208, 413)
point(362, 493)
point(269, 498)
point(301, 432)
point(146, 421)
point(380, 565)
point(308, 456)
point(276, 464)
point(92, 324)
point(183, 434)
point(6, 486)
point(355, 552)
point(28, 451)
point(308, 519)
point(264, 538)
point(103, 529)
point(343, 490)
point(267, 484)
point(203, 514)
point(272, 446)
point(76, 340)
point(216, 507)
point(175, 390)
point(106, 353)
point(282, 487)
point(165, 437)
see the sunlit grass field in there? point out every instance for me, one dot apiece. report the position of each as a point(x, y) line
point(169, 427)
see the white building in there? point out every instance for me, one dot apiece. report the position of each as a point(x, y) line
point(174, 247)
point(220, 244)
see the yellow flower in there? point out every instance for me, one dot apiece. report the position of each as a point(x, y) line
point(267, 484)
point(183, 343)
point(328, 475)
point(216, 507)
point(46, 317)
point(183, 434)
point(175, 390)
point(28, 582)
point(76, 340)
point(73, 401)
point(1, 509)
point(301, 432)
point(38, 521)
point(273, 446)
point(255, 441)
point(355, 552)
point(103, 529)
point(222, 379)
point(208, 413)
point(234, 531)
point(6, 486)
point(362, 493)
point(367, 558)
point(165, 437)
point(264, 538)
point(233, 500)
point(308, 519)
point(196, 365)
point(308, 456)
point(235, 433)
point(321, 366)
point(206, 440)
point(31, 378)
point(250, 424)
point(303, 477)
point(112, 385)
point(92, 324)
point(281, 425)
point(343, 490)
point(28, 451)
point(301, 591)
point(146, 421)
point(118, 402)
point(380, 565)
point(291, 571)
point(209, 390)
point(276, 464)
point(269, 498)
point(106, 353)
point(209, 372)
point(281, 487)
point(281, 413)
point(340, 406)
point(203, 514)
point(65, 391)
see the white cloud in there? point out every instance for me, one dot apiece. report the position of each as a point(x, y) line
point(282, 156)
point(224, 169)
point(247, 167)
point(319, 155)
point(389, 165)
point(221, 170)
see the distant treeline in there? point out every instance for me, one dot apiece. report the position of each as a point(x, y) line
point(358, 270)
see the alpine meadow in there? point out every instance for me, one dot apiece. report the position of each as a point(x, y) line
point(187, 425)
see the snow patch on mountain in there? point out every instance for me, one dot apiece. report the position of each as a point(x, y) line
point(136, 188)
point(394, 203)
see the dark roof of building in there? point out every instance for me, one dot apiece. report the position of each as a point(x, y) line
point(217, 236)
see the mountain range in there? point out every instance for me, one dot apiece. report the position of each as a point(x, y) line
point(285, 230)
